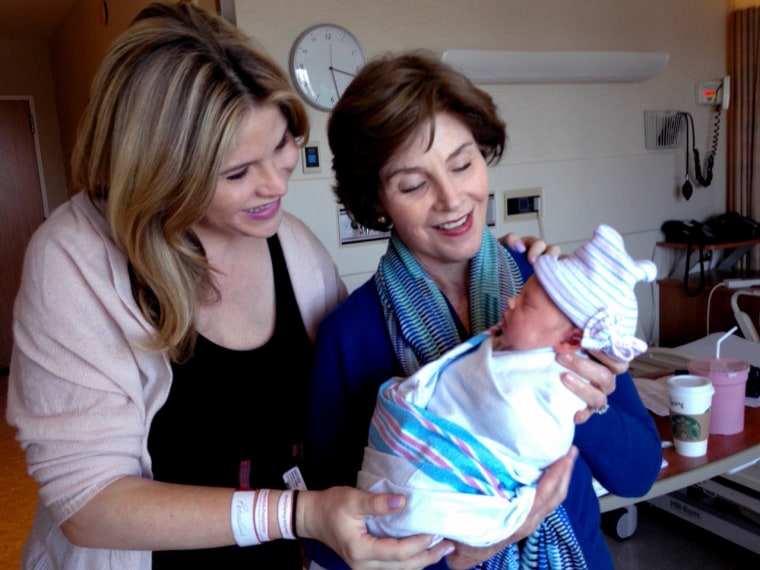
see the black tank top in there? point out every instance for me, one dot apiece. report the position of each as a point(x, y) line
point(226, 407)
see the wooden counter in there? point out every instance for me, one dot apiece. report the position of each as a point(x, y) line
point(724, 453)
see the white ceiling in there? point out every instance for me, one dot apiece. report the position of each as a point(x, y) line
point(31, 19)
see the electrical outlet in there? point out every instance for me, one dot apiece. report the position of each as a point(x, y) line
point(523, 204)
point(351, 232)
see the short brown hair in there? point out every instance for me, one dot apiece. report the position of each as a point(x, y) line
point(385, 104)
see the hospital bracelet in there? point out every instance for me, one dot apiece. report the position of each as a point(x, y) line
point(242, 518)
point(249, 516)
point(261, 516)
point(286, 514)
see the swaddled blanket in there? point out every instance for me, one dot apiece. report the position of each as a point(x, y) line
point(461, 479)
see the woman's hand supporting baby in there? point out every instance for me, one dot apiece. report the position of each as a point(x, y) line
point(336, 517)
point(550, 492)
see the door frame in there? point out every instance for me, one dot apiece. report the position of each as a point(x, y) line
point(37, 147)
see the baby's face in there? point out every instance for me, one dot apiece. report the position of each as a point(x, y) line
point(532, 320)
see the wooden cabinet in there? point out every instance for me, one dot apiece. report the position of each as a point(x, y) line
point(683, 316)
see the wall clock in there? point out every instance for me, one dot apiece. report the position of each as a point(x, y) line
point(323, 61)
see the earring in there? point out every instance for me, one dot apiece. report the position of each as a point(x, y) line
point(382, 220)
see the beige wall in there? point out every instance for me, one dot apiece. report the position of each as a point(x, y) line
point(582, 144)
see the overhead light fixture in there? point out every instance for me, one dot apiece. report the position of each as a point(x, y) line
point(500, 66)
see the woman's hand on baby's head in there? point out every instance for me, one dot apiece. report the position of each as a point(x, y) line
point(530, 245)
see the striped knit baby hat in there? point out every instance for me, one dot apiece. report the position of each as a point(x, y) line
point(594, 286)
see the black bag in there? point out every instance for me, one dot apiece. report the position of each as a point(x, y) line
point(733, 227)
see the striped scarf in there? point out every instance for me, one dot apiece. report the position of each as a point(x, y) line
point(552, 546)
point(418, 316)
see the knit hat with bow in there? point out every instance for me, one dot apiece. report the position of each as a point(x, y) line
point(594, 287)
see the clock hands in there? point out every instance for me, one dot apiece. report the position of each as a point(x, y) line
point(334, 69)
point(342, 71)
point(332, 74)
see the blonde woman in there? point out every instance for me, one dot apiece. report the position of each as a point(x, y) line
point(154, 306)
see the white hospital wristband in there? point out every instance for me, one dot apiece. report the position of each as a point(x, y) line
point(285, 514)
point(241, 518)
point(261, 516)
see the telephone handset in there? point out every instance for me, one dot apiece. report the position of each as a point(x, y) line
point(725, 92)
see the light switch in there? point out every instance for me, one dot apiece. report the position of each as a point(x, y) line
point(310, 158)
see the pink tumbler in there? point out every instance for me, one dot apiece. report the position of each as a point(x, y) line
point(729, 378)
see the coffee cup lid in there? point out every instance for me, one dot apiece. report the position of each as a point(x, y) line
point(691, 382)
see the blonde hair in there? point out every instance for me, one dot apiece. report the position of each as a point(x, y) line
point(163, 111)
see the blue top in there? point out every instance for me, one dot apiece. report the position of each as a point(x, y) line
point(354, 356)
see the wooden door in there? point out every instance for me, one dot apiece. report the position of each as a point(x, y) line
point(21, 209)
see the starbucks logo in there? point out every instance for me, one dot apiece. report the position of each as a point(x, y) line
point(685, 428)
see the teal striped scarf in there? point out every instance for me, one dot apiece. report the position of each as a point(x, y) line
point(552, 546)
point(420, 323)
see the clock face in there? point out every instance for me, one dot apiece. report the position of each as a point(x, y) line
point(323, 61)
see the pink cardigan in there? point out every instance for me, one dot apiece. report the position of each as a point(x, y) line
point(81, 392)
